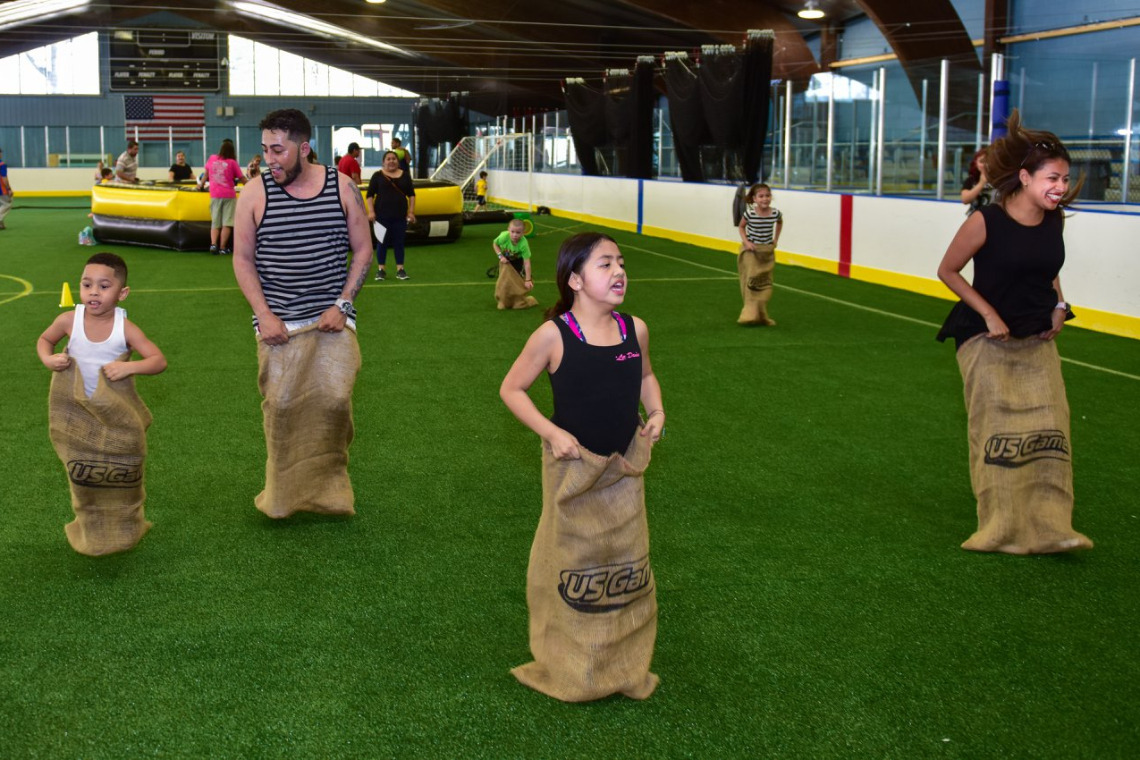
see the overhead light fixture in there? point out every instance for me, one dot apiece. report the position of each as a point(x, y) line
point(374, 2)
point(811, 11)
point(25, 11)
point(275, 14)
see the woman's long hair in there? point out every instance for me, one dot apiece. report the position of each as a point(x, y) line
point(227, 149)
point(1025, 149)
point(572, 257)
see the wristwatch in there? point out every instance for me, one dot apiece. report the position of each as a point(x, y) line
point(344, 305)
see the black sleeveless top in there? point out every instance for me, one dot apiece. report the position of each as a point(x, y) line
point(597, 389)
point(1014, 271)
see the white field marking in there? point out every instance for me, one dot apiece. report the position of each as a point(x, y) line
point(27, 289)
point(881, 312)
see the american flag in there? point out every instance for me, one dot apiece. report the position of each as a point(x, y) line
point(154, 115)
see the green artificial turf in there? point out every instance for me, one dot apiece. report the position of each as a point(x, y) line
point(805, 510)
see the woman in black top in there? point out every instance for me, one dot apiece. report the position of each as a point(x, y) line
point(392, 202)
point(1004, 328)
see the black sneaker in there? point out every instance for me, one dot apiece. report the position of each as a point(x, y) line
point(401, 275)
point(380, 275)
point(225, 252)
point(214, 250)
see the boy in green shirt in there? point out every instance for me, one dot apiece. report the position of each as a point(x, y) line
point(511, 246)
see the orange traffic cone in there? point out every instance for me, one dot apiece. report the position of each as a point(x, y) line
point(65, 300)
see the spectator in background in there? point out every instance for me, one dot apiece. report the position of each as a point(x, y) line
point(402, 155)
point(180, 171)
point(127, 166)
point(349, 165)
point(224, 175)
point(5, 191)
point(253, 169)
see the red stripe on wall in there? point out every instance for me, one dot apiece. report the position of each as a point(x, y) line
point(845, 213)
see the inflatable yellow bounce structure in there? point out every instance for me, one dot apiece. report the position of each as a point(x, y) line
point(177, 216)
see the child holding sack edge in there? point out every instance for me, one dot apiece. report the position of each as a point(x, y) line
point(590, 587)
point(96, 419)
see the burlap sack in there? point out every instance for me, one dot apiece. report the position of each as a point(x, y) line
point(590, 588)
point(102, 443)
point(755, 269)
point(307, 386)
point(1020, 459)
point(510, 289)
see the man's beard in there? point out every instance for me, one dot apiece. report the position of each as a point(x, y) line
point(291, 175)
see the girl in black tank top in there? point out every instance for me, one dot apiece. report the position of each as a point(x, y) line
point(597, 358)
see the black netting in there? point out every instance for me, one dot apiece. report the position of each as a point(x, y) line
point(438, 122)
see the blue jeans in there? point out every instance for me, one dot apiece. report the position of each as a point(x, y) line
point(396, 230)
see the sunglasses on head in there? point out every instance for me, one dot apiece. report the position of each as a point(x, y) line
point(1047, 147)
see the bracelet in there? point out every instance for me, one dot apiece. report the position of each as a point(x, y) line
point(655, 411)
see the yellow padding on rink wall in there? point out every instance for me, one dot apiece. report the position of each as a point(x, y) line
point(188, 205)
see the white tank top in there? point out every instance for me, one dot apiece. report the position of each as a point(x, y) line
point(89, 357)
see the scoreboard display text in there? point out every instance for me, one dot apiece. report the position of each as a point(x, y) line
point(164, 59)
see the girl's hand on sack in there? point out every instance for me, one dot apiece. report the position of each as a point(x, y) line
point(1058, 323)
point(59, 362)
point(654, 427)
point(563, 445)
point(996, 328)
point(118, 370)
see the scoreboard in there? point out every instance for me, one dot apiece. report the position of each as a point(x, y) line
point(165, 60)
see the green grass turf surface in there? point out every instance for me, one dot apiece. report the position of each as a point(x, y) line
point(805, 508)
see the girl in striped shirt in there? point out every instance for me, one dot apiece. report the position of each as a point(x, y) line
point(760, 228)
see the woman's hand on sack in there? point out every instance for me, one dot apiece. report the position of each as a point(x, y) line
point(996, 328)
point(1058, 323)
point(563, 445)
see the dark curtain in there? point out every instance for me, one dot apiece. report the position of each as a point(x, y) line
point(586, 109)
point(757, 102)
point(438, 122)
point(686, 117)
point(641, 133)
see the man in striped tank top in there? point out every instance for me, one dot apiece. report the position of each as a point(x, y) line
point(293, 230)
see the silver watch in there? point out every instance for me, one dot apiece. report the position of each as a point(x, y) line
point(344, 305)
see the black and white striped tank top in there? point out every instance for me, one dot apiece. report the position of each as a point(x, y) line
point(302, 250)
point(761, 229)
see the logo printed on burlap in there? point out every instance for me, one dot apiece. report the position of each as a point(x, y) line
point(605, 588)
point(104, 474)
point(1019, 449)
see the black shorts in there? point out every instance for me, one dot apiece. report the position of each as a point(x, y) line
point(480, 200)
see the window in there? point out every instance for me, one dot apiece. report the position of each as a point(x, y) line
point(257, 69)
point(69, 67)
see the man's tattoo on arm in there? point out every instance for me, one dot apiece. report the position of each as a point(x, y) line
point(359, 200)
point(356, 286)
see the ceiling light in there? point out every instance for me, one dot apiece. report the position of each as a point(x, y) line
point(275, 14)
point(811, 11)
point(25, 11)
point(374, 2)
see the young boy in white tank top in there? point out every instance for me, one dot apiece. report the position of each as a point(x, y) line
point(99, 331)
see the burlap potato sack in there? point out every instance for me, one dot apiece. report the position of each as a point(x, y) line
point(510, 289)
point(590, 588)
point(1020, 457)
point(755, 269)
point(102, 443)
point(307, 389)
